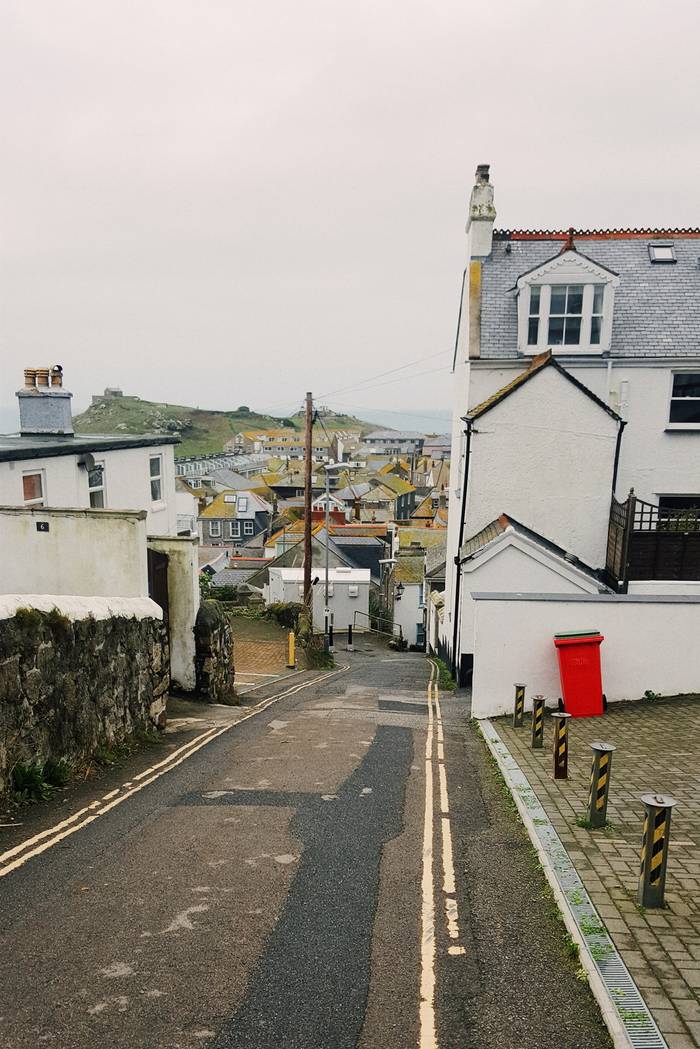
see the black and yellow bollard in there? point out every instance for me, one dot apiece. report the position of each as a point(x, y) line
point(519, 707)
point(561, 744)
point(600, 783)
point(657, 826)
point(538, 703)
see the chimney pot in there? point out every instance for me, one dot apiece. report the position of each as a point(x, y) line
point(482, 172)
point(45, 408)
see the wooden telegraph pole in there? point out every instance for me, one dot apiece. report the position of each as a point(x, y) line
point(307, 500)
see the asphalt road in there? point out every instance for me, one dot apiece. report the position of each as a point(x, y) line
point(341, 869)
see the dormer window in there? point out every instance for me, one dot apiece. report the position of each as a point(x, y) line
point(566, 305)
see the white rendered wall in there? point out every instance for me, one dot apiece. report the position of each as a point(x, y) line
point(84, 553)
point(340, 603)
point(510, 570)
point(545, 455)
point(650, 643)
point(653, 460)
point(408, 612)
point(127, 483)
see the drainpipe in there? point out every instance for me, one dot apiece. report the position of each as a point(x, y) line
point(618, 444)
point(458, 580)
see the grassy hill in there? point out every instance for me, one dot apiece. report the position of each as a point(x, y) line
point(200, 431)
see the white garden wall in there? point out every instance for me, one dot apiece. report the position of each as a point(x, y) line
point(83, 553)
point(650, 643)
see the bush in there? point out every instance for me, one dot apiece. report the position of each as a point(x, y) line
point(286, 615)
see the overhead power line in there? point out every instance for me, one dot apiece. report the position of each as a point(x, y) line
point(380, 375)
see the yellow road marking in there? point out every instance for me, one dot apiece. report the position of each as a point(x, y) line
point(95, 809)
point(428, 1033)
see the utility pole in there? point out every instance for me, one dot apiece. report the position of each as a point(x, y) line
point(307, 502)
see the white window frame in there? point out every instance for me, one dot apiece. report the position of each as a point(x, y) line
point(569, 268)
point(98, 488)
point(242, 504)
point(674, 425)
point(214, 529)
point(156, 478)
point(41, 474)
point(248, 528)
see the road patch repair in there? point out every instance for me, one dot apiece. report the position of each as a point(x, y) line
point(643, 962)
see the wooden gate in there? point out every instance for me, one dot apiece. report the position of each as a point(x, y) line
point(158, 581)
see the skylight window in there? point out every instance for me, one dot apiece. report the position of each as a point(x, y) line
point(662, 252)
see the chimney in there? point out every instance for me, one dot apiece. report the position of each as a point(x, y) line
point(482, 214)
point(44, 406)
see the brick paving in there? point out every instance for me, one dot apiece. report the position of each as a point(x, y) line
point(658, 749)
point(259, 656)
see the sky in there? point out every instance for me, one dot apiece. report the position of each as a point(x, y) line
point(223, 203)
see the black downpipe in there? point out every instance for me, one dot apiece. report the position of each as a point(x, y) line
point(458, 580)
point(623, 423)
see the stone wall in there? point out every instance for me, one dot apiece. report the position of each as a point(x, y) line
point(72, 682)
point(214, 653)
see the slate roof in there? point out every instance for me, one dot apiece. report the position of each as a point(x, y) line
point(229, 477)
point(425, 536)
point(409, 568)
point(220, 508)
point(657, 305)
point(392, 435)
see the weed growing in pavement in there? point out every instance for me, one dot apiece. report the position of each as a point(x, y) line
point(582, 975)
point(28, 783)
point(583, 821)
point(572, 948)
point(117, 752)
point(591, 927)
point(445, 680)
point(650, 694)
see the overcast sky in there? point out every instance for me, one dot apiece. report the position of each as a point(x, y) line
point(217, 203)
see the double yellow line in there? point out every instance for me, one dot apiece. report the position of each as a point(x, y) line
point(46, 839)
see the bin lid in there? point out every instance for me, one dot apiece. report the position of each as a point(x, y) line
point(580, 633)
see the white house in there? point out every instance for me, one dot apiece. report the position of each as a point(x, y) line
point(47, 467)
point(348, 594)
point(409, 596)
point(576, 379)
point(47, 464)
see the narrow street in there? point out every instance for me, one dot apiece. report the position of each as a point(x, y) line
point(342, 869)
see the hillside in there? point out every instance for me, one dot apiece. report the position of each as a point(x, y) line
point(200, 431)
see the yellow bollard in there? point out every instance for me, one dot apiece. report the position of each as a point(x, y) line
point(291, 654)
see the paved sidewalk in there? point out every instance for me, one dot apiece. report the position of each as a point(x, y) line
point(658, 745)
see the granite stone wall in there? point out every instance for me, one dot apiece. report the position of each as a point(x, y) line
point(214, 654)
point(70, 685)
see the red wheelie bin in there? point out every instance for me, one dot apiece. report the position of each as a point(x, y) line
point(579, 673)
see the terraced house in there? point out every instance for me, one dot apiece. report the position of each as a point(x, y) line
point(576, 414)
point(234, 519)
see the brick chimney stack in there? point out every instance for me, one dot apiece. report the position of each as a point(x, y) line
point(44, 405)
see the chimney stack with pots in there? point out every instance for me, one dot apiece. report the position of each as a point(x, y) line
point(482, 214)
point(44, 406)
